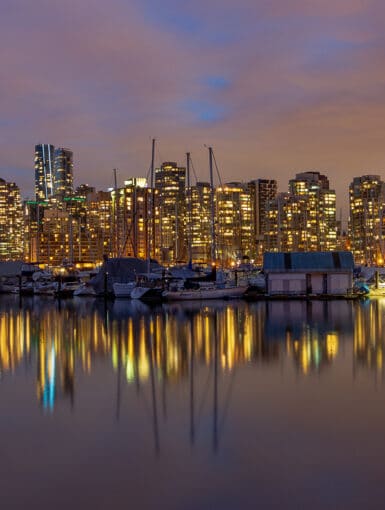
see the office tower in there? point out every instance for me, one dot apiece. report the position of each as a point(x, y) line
point(234, 227)
point(169, 213)
point(262, 192)
point(366, 221)
point(44, 170)
point(129, 218)
point(11, 222)
point(63, 172)
point(198, 222)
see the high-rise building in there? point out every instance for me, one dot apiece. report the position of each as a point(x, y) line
point(234, 226)
point(320, 216)
point(198, 222)
point(44, 171)
point(63, 172)
point(303, 219)
point(262, 191)
point(129, 218)
point(11, 221)
point(169, 213)
point(367, 219)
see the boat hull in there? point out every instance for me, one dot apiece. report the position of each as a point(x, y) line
point(203, 294)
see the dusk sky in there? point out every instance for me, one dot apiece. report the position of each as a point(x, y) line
point(274, 86)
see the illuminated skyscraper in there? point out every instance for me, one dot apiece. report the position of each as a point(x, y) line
point(11, 222)
point(63, 172)
point(234, 225)
point(320, 216)
point(305, 218)
point(262, 191)
point(170, 207)
point(129, 218)
point(198, 221)
point(44, 178)
point(366, 221)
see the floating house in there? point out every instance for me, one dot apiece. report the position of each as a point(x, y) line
point(309, 274)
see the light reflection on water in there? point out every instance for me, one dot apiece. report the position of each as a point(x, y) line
point(193, 374)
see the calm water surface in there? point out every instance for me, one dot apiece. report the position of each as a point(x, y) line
point(223, 405)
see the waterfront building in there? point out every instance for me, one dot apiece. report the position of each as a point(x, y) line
point(75, 230)
point(11, 221)
point(33, 212)
point(198, 222)
point(312, 273)
point(304, 219)
point(262, 191)
point(130, 206)
point(169, 213)
point(234, 226)
point(44, 171)
point(63, 172)
point(99, 226)
point(366, 219)
point(321, 219)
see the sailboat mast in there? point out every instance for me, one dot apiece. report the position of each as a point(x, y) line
point(116, 215)
point(150, 212)
point(189, 195)
point(212, 207)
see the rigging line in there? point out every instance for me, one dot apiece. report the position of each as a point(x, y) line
point(217, 169)
point(193, 169)
point(148, 172)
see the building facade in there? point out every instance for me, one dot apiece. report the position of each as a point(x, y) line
point(366, 219)
point(11, 222)
point(63, 172)
point(169, 213)
point(44, 171)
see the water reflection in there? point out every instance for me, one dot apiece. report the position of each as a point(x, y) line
point(165, 344)
point(250, 403)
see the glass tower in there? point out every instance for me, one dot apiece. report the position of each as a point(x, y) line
point(44, 182)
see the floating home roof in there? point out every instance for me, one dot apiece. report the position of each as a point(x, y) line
point(309, 261)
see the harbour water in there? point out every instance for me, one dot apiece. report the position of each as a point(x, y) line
point(218, 405)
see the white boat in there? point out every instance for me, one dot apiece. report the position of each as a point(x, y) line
point(123, 290)
point(205, 292)
point(85, 289)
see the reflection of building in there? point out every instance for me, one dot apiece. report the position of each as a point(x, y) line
point(367, 222)
point(311, 331)
point(369, 339)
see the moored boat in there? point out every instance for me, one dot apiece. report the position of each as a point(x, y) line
point(204, 292)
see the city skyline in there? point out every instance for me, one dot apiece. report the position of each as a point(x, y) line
point(276, 90)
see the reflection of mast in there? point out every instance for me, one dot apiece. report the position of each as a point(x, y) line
point(192, 410)
point(215, 402)
point(118, 386)
point(149, 341)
